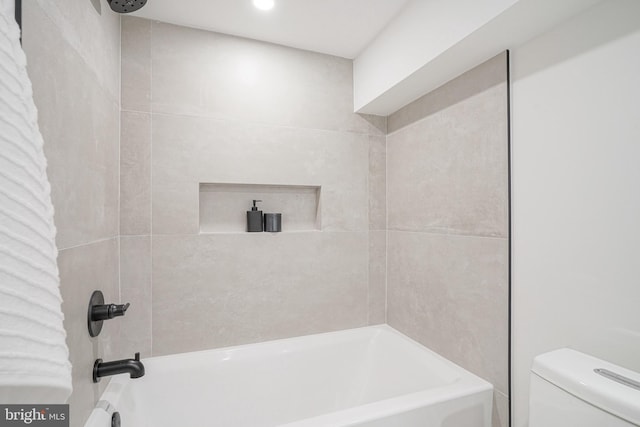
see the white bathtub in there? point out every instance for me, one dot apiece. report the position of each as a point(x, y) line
point(368, 377)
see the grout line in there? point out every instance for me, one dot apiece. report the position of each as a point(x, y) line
point(120, 270)
point(259, 123)
point(386, 225)
point(386, 277)
point(128, 110)
point(120, 162)
point(369, 234)
point(150, 266)
point(93, 242)
point(437, 233)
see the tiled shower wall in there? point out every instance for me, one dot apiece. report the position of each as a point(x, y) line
point(73, 54)
point(447, 160)
point(200, 107)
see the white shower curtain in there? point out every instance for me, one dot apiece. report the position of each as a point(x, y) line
point(34, 358)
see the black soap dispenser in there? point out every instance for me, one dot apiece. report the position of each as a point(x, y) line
point(254, 218)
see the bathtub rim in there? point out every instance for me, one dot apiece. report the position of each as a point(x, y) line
point(466, 385)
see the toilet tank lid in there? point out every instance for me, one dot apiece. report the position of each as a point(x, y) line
point(574, 372)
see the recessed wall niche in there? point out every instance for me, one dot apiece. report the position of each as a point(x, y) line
point(223, 206)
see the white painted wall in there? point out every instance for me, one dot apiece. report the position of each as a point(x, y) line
point(420, 33)
point(432, 41)
point(576, 192)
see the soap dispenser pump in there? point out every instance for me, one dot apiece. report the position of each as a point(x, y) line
point(254, 218)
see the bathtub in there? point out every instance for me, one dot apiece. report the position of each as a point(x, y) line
point(367, 377)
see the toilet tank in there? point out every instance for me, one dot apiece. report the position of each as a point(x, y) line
point(567, 391)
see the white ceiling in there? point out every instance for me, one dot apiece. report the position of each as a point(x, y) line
point(336, 27)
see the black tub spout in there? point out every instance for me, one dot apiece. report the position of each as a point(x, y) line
point(133, 367)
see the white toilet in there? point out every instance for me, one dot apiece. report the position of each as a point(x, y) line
point(567, 391)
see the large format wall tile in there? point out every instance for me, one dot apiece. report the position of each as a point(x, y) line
point(135, 173)
point(79, 121)
point(500, 410)
point(88, 27)
point(477, 80)
point(136, 64)
point(447, 193)
point(192, 150)
point(226, 289)
point(231, 110)
point(451, 293)
point(203, 73)
point(447, 173)
point(377, 277)
point(135, 288)
point(84, 269)
point(377, 183)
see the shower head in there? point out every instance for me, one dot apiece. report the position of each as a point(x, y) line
point(126, 6)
